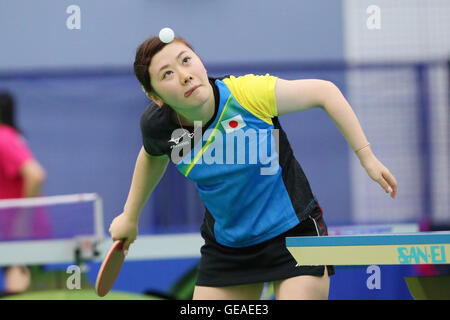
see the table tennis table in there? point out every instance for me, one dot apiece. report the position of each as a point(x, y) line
point(379, 249)
point(415, 248)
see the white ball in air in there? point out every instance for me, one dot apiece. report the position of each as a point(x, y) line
point(166, 35)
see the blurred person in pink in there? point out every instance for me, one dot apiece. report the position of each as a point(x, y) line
point(21, 176)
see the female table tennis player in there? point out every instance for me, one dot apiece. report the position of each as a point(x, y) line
point(248, 214)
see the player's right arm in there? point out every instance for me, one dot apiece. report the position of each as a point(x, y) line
point(148, 172)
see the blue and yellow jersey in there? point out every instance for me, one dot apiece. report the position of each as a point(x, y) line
point(241, 162)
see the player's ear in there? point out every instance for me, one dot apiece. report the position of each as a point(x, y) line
point(156, 99)
point(153, 96)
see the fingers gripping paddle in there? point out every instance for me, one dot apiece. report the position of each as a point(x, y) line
point(110, 268)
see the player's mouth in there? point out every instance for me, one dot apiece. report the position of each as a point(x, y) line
point(190, 91)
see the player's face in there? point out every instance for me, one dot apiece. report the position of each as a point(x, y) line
point(178, 77)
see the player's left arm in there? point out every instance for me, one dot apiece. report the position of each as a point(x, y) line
point(297, 95)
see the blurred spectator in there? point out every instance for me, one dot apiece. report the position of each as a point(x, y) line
point(20, 176)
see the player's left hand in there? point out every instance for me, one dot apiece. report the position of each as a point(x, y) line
point(378, 172)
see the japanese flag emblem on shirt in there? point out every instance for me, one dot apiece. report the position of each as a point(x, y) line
point(233, 124)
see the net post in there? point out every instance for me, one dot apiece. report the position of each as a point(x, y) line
point(98, 218)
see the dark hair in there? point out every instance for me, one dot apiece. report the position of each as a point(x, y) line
point(7, 115)
point(144, 54)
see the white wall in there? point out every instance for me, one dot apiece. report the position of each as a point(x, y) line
point(410, 30)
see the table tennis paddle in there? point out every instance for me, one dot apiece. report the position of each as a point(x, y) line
point(110, 268)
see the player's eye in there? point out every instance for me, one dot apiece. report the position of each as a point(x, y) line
point(166, 74)
point(186, 59)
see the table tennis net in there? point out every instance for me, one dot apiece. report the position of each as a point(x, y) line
point(54, 217)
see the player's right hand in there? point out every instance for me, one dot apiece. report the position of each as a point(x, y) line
point(125, 228)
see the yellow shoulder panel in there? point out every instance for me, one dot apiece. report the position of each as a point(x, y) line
point(255, 93)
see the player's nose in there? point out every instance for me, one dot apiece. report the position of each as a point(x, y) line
point(186, 78)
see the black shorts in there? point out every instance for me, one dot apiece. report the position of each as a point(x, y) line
point(222, 266)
